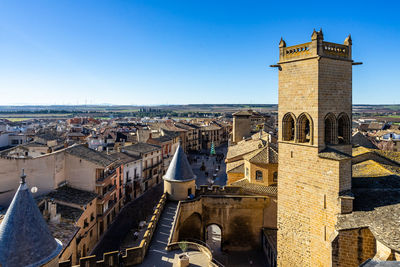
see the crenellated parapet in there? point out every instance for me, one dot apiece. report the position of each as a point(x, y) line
point(316, 48)
point(218, 190)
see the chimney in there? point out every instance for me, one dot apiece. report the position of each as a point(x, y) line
point(54, 217)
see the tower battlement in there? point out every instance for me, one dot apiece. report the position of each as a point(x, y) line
point(316, 48)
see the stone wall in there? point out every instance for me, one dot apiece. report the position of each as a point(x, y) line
point(308, 185)
point(353, 247)
point(240, 218)
point(241, 128)
point(233, 177)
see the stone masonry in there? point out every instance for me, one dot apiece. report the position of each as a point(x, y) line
point(315, 79)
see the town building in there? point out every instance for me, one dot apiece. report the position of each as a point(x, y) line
point(71, 215)
point(151, 162)
point(246, 123)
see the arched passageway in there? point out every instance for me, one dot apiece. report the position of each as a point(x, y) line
point(214, 237)
point(191, 228)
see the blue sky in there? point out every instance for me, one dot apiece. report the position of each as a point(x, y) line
point(179, 52)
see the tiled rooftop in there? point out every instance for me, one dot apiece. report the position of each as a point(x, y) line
point(258, 189)
point(91, 155)
point(72, 195)
point(141, 148)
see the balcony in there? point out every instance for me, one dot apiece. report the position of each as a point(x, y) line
point(109, 189)
point(152, 166)
point(106, 175)
point(111, 204)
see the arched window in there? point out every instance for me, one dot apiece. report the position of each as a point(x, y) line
point(343, 129)
point(275, 177)
point(259, 175)
point(304, 128)
point(288, 126)
point(330, 129)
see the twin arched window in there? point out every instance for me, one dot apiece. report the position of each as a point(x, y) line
point(337, 131)
point(303, 132)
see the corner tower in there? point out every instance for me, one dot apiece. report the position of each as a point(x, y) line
point(179, 180)
point(25, 239)
point(315, 103)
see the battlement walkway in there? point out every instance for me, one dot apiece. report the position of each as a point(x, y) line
point(157, 255)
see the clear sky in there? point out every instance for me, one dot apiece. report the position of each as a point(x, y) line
point(180, 52)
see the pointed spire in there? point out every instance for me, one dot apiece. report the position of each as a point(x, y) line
point(25, 239)
point(348, 40)
point(179, 169)
point(282, 43)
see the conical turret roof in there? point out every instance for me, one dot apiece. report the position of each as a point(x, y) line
point(25, 239)
point(179, 169)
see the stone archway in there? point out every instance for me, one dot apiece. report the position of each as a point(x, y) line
point(191, 228)
point(213, 237)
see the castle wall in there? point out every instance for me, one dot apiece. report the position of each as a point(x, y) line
point(353, 247)
point(240, 218)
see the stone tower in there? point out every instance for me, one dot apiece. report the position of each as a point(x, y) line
point(241, 125)
point(25, 239)
point(314, 175)
point(179, 180)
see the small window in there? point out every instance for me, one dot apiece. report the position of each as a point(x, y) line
point(275, 177)
point(247, 172)
point(259, 175)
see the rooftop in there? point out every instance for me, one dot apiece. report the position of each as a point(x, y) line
point(376, 188)
point(124, 158)
point(179, 169)
point(141, 148)
point(263, 155)
point(331, 153)
point(81, 151)
point(72, 195)
point(244, 147)
point(256, 189)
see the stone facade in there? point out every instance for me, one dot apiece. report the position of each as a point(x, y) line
point(240, 218)
point(353, 247)
point(241, 126)
point(314, 85)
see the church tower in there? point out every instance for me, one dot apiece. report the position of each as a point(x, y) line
point(314, 175)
